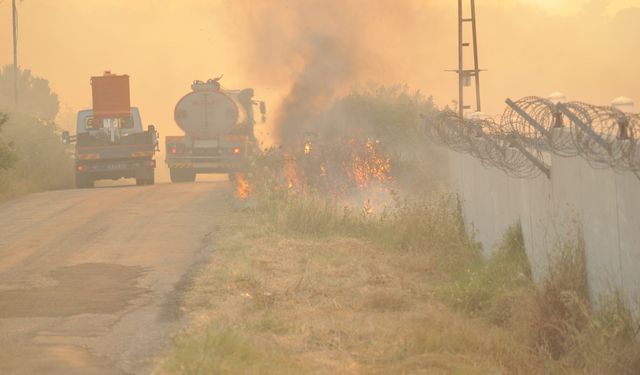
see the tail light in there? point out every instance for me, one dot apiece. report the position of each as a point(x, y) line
point(81, 168)
point(237, 150)
point(173, 150)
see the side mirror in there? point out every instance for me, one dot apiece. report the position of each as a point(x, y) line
point(263, 111)
point(154, 134)
point(66, 138)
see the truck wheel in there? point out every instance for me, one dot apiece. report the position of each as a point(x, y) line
point(145, 181)
point(84, 182)
point(182, 175)
point(145, 177)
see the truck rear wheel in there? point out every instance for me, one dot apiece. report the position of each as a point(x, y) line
point(182, 175)
point(145, 177)
point(84, 182)
point(145, 181)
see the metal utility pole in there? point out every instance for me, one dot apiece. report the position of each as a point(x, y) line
point(464, 75)
point(15, 53)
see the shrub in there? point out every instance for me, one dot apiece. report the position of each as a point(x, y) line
point(7, 157)
point(42, 162)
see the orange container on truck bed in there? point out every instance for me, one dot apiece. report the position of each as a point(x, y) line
point(111, 98)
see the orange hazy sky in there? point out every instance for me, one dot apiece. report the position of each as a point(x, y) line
point(530, 47)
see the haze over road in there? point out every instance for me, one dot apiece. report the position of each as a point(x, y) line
point(90, 280)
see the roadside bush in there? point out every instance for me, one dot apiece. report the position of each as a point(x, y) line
point(394, 115)
point(555, 317)
point(7, 157)
point(489, 288)
point(41, 161)
point(563, 299)
point(591, 337)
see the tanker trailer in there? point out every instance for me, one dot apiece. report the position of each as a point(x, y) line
point(218, 131)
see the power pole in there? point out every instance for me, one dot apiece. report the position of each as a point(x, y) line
point(464, 75)
point(15, 54)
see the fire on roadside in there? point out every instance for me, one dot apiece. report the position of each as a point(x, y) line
point(342, 169)
point(368, 164)
point(307, 148)
point(291, 171)
point(243, 188)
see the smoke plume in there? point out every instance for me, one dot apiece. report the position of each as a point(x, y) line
point(322, 48)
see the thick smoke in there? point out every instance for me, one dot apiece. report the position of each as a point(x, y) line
point(321, 48)
point(328, 63)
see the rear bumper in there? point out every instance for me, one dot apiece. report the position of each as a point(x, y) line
point(118, 151)
point(207, 164)
point(113, 169)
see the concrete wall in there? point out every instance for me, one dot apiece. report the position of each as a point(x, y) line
point(603, 203)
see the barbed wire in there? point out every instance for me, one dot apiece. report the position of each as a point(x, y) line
point(532, 128)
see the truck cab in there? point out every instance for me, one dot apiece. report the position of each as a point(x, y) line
point(126, 126)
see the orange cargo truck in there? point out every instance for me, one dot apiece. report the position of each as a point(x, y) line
point(110, 140)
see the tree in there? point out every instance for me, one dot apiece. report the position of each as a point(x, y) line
point(7, 157)
point(35, 97)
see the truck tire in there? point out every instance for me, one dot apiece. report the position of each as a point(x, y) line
point(145, 177)
point(145, 181)
point(182, 175)
point(84, 182)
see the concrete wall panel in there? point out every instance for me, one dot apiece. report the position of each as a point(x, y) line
point(605, 204)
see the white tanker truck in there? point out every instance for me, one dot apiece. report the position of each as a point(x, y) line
point(218, 126)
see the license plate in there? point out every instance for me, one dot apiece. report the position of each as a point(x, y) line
point(205, 143)
point(113, 167)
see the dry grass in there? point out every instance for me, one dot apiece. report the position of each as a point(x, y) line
point(299, 301)
point(269, 303)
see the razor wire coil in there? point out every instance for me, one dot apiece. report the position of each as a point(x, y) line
point(533, 127)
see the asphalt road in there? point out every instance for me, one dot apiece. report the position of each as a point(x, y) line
point(91, 280)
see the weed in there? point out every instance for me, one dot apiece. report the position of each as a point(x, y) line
point(225, 351)
point(489, 288)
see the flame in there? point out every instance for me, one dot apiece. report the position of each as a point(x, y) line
point(307, 148)
point(339, 167)
point(367, 208)
point(368, 164)
point(243, 188)
point(291, 171)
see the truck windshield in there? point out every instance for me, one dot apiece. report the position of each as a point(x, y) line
point(123, 123)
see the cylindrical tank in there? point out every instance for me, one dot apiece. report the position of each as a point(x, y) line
point(207, 112)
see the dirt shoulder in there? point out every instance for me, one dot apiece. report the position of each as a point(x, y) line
point(268, 303)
